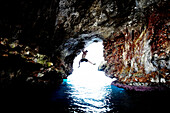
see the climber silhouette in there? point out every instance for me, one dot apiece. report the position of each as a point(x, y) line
point(83, 59)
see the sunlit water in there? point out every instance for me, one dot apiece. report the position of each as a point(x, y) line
point(90, 91)
point(90, 87)
point(87, 90)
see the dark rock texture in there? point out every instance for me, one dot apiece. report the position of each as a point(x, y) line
point(140, 88)
point(141, 56)
point(51, 33)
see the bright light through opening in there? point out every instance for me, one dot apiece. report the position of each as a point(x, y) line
point(88, 72)
point(94, 54)
point(88, 84)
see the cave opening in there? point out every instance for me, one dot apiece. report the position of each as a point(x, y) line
point(41, 43)
point(88, 72)
point(94, 55)
point(89, 88)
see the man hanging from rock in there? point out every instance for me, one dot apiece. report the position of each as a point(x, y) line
point(83, 59)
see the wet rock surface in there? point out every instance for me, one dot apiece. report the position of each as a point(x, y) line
point(141, 56)
point(23, 67)
point(49, 34)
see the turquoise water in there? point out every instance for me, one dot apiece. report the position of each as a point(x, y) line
point(83, 96)
point(107, 99)
point(82, 99)
point(86, 90)
point(91, 92)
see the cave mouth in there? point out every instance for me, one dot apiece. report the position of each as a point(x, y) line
point(88, 72)
point(94, 55)
point(88, 88)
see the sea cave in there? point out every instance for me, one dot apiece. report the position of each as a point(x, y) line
point(88, 56)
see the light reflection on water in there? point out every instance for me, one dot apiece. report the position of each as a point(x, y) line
point(89, 91)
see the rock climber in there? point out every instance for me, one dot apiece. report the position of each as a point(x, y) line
point(83, 59)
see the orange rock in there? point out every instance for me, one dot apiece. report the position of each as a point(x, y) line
point(133, 79)
point(154, 74)
point(147, 75)
point(142, 79)
point(164, 70)
point(129, 80)
point(137, 78)
point(5, 55)
point(122, 79)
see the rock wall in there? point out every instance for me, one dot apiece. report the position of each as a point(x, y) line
point(140, 56)
point(53, 32)
point(24, 67)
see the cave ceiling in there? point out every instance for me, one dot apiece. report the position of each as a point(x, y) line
point(53, 32)
point(48, 24)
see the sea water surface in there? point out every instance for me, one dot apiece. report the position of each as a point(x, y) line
point(92, 92)
point(86, 90)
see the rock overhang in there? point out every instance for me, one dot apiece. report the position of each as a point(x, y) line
point(53, 24)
